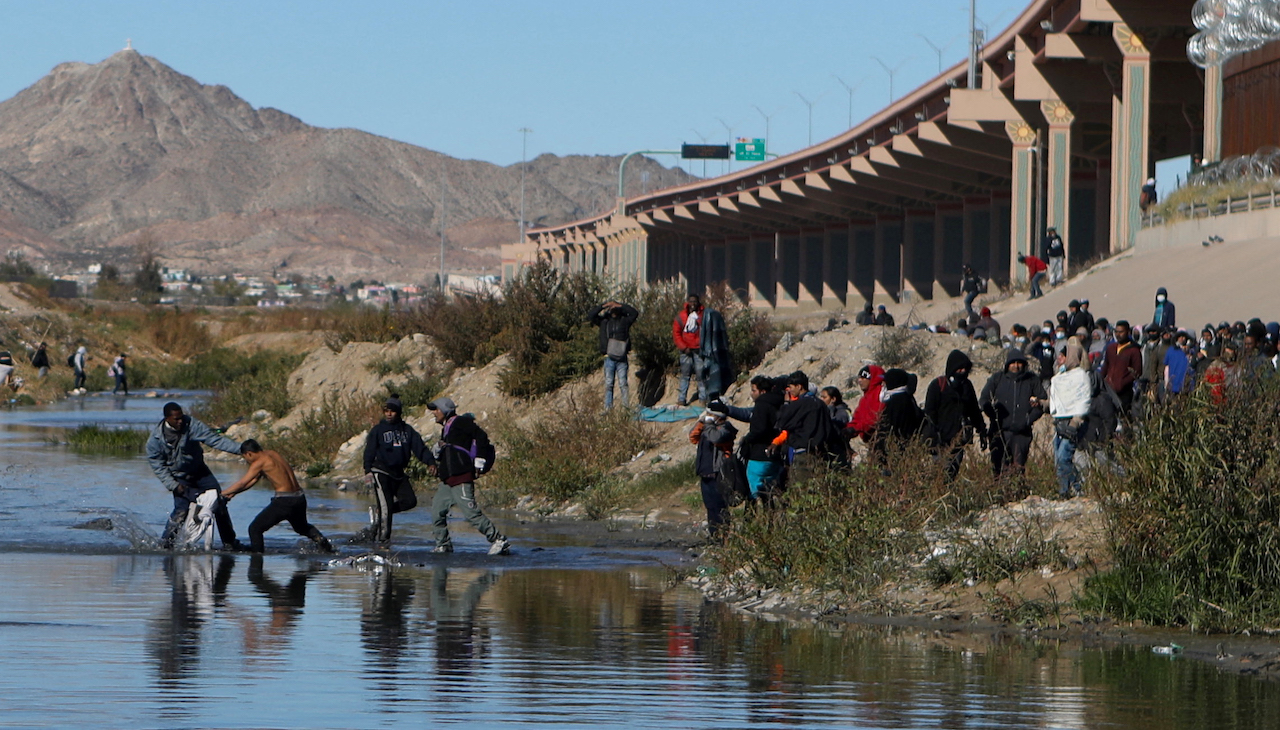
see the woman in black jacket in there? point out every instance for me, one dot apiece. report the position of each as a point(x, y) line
point(764, 467)
point(901, 419)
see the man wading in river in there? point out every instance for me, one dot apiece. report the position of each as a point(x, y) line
point(176, 454)
point(387, 451)
point(288, 503)
point(464, 452)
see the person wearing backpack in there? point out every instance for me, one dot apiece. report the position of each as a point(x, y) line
point(79, 362)
point(713, 436)
point(614, 320)
point(463, 453)
point(117, 371)
point(951, 407)
point(387, 451)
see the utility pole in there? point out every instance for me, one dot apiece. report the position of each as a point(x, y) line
point(973, 44)
point(728, 130)
point(936, 48)
point(704, 138)
point(444, 193)
point(524, 156)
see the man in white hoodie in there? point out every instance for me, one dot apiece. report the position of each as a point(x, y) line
point(81, 365)
point(1070, 394)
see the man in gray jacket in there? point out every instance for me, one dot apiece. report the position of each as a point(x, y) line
point(176, 454)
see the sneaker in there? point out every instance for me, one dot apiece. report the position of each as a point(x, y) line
point(445, 548)
point(238, 547)
point(501, 546)
point(362, 537)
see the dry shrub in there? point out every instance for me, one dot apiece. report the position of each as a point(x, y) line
point(177, 332)
point(899, 347)
point(318, 435)
point(569, 452)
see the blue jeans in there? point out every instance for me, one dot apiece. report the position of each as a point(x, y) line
point(1069, 483)
point(690, 366)
point(1035, 285)
point(763, 477)
point(616, 370)
point(968, 304)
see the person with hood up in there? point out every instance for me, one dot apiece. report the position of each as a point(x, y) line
point(118, 371)
point(686, 330)
point(1070, 396)
point(175, 452)
point(804, 428)
point(1013, 401)
point(614, 320)
point(713, 436)
point(764, 465)
point(901, 420)
point(40, 361)
point(867, 413)
point(387, 451)
point(462, 453)
point(1165, 317)
point(951, 406)
point(866, 317)
point(80, 364)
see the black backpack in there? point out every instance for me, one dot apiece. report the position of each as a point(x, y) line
point(477, 450)
point(71, 360)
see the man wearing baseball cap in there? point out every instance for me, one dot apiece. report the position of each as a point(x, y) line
point(462, 453)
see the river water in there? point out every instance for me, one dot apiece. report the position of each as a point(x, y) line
point(99, 630)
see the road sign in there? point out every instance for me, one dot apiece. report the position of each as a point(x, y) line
point(704, 151)
point(749, 150)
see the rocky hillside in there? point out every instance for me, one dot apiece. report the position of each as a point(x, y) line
point(96, 159)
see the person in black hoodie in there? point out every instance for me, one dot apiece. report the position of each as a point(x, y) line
point(460, 458)
point(614, 320)
point(764, 465)
point(387, 450)
point(805, 426)
point(901, 420)
point(1014, 400)
point(951, 406)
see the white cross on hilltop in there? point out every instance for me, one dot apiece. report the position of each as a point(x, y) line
point(128, 44)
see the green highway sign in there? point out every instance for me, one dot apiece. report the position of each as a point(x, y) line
point(749, 150)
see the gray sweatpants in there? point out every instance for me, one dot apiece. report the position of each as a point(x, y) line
point(464, 496)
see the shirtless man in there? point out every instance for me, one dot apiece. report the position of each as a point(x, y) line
point(288, 503)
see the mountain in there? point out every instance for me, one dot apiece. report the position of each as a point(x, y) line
point(99, 159)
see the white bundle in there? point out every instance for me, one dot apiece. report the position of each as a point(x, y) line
point(198, 529)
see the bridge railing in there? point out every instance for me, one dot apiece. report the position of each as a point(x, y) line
point(1186, 211)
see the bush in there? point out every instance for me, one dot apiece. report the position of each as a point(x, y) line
point(1194, 515)
point(319, 434)
point(899, 347)
point(252, 382)
point(95, 439)
point(178, 333)
point(568, 453)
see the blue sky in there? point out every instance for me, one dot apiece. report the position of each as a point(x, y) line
point(463, 77)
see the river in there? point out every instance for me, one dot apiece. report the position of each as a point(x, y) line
point(97, 629)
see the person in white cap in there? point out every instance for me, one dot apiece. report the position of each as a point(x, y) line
point(463, 452)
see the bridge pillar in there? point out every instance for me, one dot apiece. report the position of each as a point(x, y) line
point(917, 254)
point(949, 241)
point(1129, 139)
point(787, 257)
point(1058, 210)
point(888, 257)
point(1212, 114)
point(862, 265)
point(835, 266)
point(809, 284)
point(760, 265)
point(1022, 197)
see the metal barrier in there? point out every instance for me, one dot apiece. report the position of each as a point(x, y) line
point(1188, 211)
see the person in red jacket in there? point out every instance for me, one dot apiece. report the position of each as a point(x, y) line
point(867, 414)
point(1035, 273)
point(686, 330)
point(1121, 365)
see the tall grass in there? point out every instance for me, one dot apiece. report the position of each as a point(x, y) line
point(243, 383)
point(95, 439)
point(316, 438)
point(1194, 513)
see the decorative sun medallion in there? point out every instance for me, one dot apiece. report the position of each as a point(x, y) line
point(1130, 42)
point(1020, 132)
point(1056, 112)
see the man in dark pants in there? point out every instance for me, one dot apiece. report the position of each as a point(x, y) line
point(175, 452)
point(288, 503)
point(951, 406)
point(461, 443)
point(1121, 366)
point(387, 451)
point(1013, 400)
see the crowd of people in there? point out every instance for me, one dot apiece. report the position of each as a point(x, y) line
point(1094, 379)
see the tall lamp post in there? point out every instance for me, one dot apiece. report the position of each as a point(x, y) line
point(767, 117)
point(892, 73)
point(810, 105)
point(851, 90)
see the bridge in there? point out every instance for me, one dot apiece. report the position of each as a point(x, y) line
point(1073, 104)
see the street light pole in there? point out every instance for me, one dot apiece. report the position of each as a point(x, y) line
point(851, 90)
point(892, 72)
point(444, 198)
point(767, 117)
point(973, 44)
point(524, 156)
point(810, 105)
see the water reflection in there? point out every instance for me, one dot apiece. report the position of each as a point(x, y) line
point(280, 642)
point(198, 587)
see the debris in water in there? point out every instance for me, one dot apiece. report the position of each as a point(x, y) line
point(367, 560)
point(97, 523)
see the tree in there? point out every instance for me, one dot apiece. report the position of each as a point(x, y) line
point(148, 282)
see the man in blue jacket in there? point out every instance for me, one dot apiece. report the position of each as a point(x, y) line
point(175, 450)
